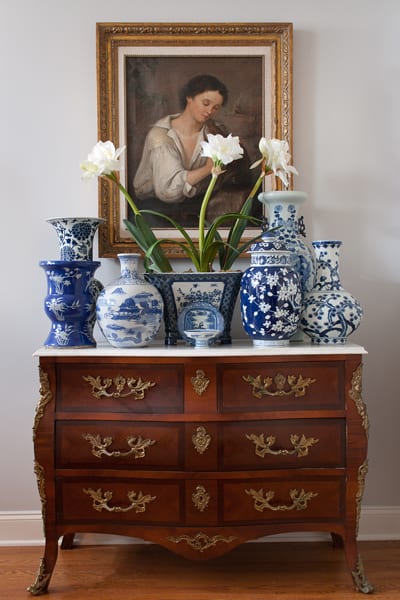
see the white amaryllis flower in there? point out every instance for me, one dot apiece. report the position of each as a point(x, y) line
point(102, 160)
point(222, 150)
point(277, 157)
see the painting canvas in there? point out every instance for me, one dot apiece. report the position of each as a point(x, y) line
point(141, 71)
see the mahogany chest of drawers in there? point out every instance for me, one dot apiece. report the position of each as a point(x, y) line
point(201, 450)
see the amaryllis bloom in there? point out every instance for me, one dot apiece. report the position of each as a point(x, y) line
point(222, 150)
point(277, 157)
point(102, 160)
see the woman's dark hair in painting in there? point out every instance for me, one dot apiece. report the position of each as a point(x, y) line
point(200, 84)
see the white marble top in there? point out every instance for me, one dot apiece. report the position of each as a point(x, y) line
point(237, 348)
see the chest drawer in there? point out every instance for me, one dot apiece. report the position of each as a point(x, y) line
point(108, 444)
point(107, 387)
point(105, 500)
point(253, 387)
point(274, 499)
point(280, 444)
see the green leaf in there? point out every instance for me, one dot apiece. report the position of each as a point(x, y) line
point(145, 238)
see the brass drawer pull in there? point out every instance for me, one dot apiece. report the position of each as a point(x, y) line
point(264, 446)
point(283, 386)
point(299, 500)
point(100, 501)
point(99, 446)
point(122, 386)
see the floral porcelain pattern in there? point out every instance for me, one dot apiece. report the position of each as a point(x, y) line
point(69, 302)
point(270, 294)
point(282, 210)
point(75, 236)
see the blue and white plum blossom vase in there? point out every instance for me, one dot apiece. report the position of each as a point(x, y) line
point(129, 310)
point(330, 314)
point(270, 293)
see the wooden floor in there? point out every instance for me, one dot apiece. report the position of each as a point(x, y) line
point(255, 571)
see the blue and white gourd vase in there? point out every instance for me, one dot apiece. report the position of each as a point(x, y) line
point(282, 212)
point(330, 314)
point(129, 310)
point(69, 302)
point(270, 293)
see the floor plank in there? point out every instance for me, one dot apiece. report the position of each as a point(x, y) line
point(255, 571)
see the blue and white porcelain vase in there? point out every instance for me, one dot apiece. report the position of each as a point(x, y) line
point(330, 314)
point(75, 239)
point(270, 293)
point(69, 302)
point(75, 236)
point(129, 310)
point(282, 212)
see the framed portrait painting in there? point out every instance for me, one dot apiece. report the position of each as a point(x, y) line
point(144, 74)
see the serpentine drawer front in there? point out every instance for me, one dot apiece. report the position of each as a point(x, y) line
point(201, 450)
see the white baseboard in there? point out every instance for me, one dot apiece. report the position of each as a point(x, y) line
point(25, 529)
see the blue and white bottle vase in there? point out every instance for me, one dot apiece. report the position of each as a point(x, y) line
point(330, 314)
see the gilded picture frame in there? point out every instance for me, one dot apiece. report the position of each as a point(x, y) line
point(140, 67)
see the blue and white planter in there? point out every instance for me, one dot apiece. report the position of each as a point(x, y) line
point(270, 293)
point(179, 290)
point(129, 310)
point(69, 303)
point(330, 314)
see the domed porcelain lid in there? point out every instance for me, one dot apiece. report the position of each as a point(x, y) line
point(269, 243)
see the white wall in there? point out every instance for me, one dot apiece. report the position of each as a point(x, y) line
point(346, 148)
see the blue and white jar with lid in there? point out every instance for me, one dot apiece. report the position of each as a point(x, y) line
point(270, 293)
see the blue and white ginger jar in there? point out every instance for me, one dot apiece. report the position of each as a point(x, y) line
point(270, 293)
point(330, 314)
point(129, 310)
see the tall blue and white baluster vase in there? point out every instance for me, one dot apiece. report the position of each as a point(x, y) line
point(330, 313)
point(270, 293)
point(130, 309)
point(69, 302)
point(75, 239)
point(282, 211)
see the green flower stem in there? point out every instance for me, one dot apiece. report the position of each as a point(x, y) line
point(256, 185)
point(112, 177)
point(203, 210)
